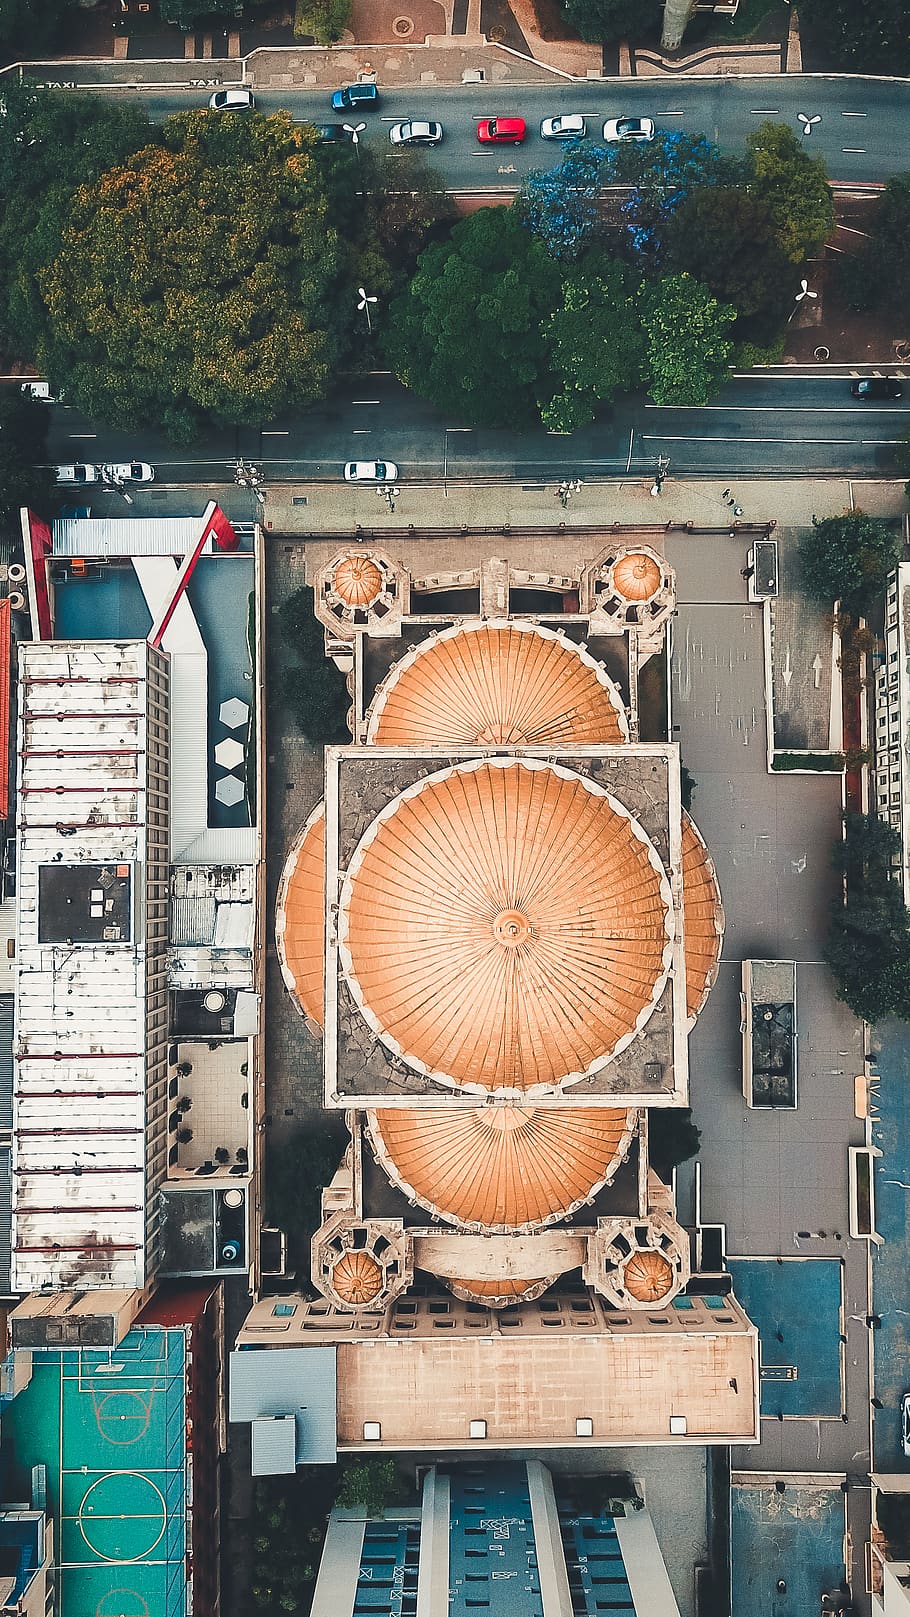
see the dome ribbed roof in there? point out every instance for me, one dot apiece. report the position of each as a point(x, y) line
point(357, 1277)
point(505, 684)
point(357, 581)
point(504, 1167)
point(499, 1292)
point(505, 925)
point(702, 917)
point(637, 576)
point(648, 1276)
point(300, 929)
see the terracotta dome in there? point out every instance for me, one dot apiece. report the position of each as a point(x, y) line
point(648, 1276)
point(703, 917)
point(500, 1293)
point(502, 1167)
point(506, 924)
point(300, 925)
point(636, 576)
point(510, 684)
point(356, 1277)
point(357, 581)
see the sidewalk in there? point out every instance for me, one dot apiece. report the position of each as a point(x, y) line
point(338, 508)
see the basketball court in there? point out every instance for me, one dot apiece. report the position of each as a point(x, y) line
point(110, 1427)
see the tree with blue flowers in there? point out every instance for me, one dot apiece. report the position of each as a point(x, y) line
point(560, 204)
point(663, 174)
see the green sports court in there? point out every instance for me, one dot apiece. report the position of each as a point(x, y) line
point(110, 1430)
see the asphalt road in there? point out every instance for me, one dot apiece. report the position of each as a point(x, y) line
point(759, 425)
point(861, 127)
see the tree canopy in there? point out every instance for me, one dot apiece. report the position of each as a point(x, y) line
point(595, 340)
point(868, 946)
point(663, 174)
point(686, 339)
point(607, 20)
point(559, 204)
point(25, 26)
point(51, 142)
point(794, 188)
point(873, 37)
point(466, 334)
point(726, 239)
point(848, 559)
point(199, 278)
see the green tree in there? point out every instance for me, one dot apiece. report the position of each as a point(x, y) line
point(595, 340)
point(606, 20)
point(848, 559)
point(51, 142)
point(27, 27)
point(298, 1171)
point(23, 430)
point(466, 335)
point(198, 279)
point(873, 37)
point(726, 239)
point(324, 20)
point(868, 945)
point(794, 188)
point(686, 337)
point(187, 13)
point(370, 1485)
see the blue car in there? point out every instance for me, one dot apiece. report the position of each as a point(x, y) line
point(355, 95)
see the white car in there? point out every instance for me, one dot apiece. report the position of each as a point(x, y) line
point(629, 129)
point(416, 132)
point(370, 471)
point(79, 472)
point(128, 471)
point(568, 126)
point(40, 391)
point(232, 101)
point(905, 1424)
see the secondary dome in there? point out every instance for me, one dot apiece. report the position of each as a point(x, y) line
point(500, 1167)
point(300, 920)
point(505, 925)
point(637, 576)
point(499, 1293)
point(703, 918)
point(357, 1278)
point(357, 580)
point(648, 1276)
point(508, 684)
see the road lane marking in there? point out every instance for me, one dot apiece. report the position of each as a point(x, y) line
point(854, 115)
point(777, 409)
point(690, 438)
point(82, 434)
point(764, 112)
point(276, 432)
point(364, 401)
point(857, 151)
point(671, 112)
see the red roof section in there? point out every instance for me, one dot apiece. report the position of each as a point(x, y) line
point(177, 1304)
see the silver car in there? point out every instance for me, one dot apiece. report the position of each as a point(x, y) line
point(77, 472)
point(416, 132)
point(568, 126)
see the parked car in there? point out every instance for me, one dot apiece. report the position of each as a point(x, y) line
point(416, 132)
point(504, 131)
point(232, 101)
point(330, 132)
point(78, 472)
point(877, 387)
point(128, 471)
point(568, 126)
point(629, 129)
point(354, 96)
point(40, 391)
point(905, 1424)
point(370, 471)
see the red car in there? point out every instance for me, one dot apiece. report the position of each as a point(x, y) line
point(506, 131)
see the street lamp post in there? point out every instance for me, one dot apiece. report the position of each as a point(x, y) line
point(248, 476)
point(663, 466)
point(566, 489)
point(355, 131)
point(389, 493)
point(363, 306)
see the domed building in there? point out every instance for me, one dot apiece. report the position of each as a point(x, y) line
point(502, 924)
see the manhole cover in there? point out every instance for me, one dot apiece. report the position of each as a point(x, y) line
point(403, 27)
point(822, 354)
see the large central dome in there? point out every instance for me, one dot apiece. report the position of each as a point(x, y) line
point(506, 925)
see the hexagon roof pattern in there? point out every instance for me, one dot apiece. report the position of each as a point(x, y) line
point(300, 924)
point(501, 1167)
point(506, 684)
point(506, 924)
point(357, 580)
point(637, 576)
point(648, 1276)
point(703, 917)
point(356, 1277)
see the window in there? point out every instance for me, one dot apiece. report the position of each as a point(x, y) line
point(284, 1310)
